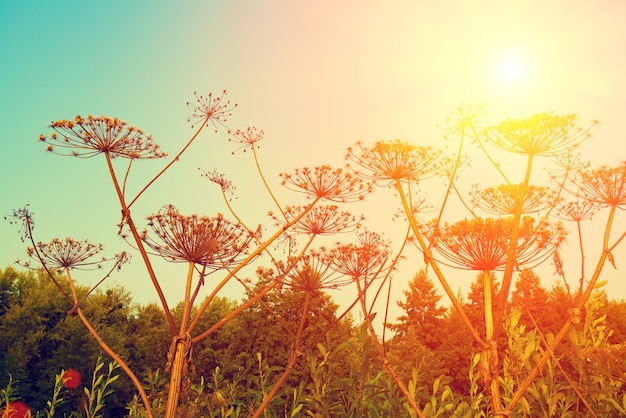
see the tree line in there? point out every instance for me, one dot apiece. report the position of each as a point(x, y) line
point(426, 344)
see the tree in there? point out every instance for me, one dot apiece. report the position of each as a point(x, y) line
point(38, 338)
point(529, 297)
point(422, 315)
point(269, 328)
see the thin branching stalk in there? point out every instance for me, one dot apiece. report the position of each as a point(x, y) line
point(295, 354)
point(493, 162)
point(144, 255)
point(235, 312)
point(582, 257)
point(568, 323)
point(381, 350)
point(558, 364)
point(388, 277)
point(451, 177)
point(267, 187)
point(29, 231)
point(507, 276)
point(430, 259)
point(244, 263)
point(117, 359)
point(168, 165)
point(124, 182)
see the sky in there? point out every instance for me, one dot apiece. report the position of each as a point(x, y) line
point(316, 77)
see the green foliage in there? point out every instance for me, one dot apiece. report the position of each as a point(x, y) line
point(57, 395)
point(9, 392)
point(100, 389)
point(341, 376)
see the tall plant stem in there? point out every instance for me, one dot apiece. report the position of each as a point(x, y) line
point(295, 354)
point(568, 323)
point(144, 255)
point(511, 261)
point(187, 300)
point(489, 358)
point(429, 258)
point(182, 346)
point(582, 258)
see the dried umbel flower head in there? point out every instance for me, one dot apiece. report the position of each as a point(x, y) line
point(604, 186)
point(210, 109)
point(248, 139)
point(504, 199)
point(23, 217)
point(69, 254)
point(93, 135)
point(227, 186)
point(312, 273)
point(326, 183)
point(213, 242)
point(465, 118)
point(577, 211)
point(319, 220)
point(483, 243)
point(542, 134)
point(366, 260)
point(388, 161)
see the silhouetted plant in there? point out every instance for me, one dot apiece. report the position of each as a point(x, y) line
point(212, 246)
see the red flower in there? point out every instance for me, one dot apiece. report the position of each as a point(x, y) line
point(16, 409)
point(71, 379)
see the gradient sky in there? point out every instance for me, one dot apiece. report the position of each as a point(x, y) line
point(315, 76)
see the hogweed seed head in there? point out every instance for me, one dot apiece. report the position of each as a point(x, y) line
point(248, 139)
point(604, 186)
point(365, 260)
point(388, 161)
point(86, 137)
point(542, 134)
point(67, 254)
point(312, 273)
point(23, 217)
point(483, 243)
point(465, 118)
point(326, 183)
point(319, 220)
point(213, 242)
point(503, 199)
point(220, 179)
point(210, 109)
point(577, 211)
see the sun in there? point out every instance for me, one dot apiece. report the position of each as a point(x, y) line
point(512, 69)
point(510, 73)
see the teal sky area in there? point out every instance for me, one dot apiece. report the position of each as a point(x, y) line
point(315, 76)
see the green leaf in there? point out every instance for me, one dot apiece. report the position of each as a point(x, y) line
point(296, 410)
